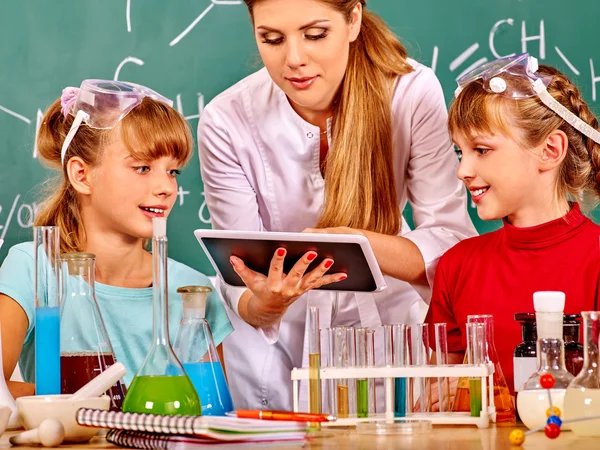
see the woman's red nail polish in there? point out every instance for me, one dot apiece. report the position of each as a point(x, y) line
point(232, 262)
point(328, 263)
point(343, 277)
point(311, 256)
point(280, 252)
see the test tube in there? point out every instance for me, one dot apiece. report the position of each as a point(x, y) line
point(420, 357)
point(351, 344)
point(314, 361)
point(362, 386)
point(371, 363)
point(341, 361)
point(476, 335)
point(401, 359)
point(331, 383)
point(47, 310)
point(441, 359)
point(388, 357)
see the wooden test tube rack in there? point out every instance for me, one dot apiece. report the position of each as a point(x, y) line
point(484, 372)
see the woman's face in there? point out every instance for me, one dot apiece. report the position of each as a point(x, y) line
point(304, 44)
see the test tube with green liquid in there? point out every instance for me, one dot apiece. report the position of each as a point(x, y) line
point(476, 340)
point(362, 384)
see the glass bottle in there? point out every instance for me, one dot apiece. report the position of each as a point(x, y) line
point(505, 409)
point(161, 385)
point(85, 349)
point(532, 401)
point(46, 241)
point(582, 398)
point(196, 350)
point(525, 355)
point(574, 351)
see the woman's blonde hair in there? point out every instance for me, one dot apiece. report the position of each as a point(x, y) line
point(360, 188)
point(150, 131)
point(529, 122)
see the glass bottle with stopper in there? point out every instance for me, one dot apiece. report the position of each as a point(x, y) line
point(196, 350)
point(582, 398)
point(161, 385)
point(532, 400)
point(85, 349)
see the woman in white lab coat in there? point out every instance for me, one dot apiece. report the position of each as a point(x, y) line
point(337, 132)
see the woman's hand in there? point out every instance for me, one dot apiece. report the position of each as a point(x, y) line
point(272, 295)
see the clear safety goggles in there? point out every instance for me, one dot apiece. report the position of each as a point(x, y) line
point(102, 104)
point(516, 77)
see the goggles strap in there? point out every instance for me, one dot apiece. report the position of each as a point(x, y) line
point(568, 116)
point(80, 117)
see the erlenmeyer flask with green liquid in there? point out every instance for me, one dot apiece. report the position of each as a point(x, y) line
point(161, 386)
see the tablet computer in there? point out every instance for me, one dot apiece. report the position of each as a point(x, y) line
point(351, 253)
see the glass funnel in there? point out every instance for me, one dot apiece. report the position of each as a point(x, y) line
point(161, 386)
point(85, 349)
point(505, 408)
point(196, 350)
point(582, 398)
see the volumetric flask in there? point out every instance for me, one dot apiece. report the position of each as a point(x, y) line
point(46, 241)
point(85, 349)
point(195, 348)
point(161, 386)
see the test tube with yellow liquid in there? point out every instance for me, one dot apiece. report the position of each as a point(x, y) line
point(314, 363)
point(340, 352)
point(476, 334)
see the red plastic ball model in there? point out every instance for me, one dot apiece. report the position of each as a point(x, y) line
point(552, 430)
point(547, 381)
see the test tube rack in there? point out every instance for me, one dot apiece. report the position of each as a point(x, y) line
point(483, 371)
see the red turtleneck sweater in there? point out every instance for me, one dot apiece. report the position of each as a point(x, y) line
point(498, 272)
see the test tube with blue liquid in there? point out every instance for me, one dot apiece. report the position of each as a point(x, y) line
point(441, 358)
point(47, 310)
point(401, 359)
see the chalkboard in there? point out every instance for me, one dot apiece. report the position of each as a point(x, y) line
point(190, 50)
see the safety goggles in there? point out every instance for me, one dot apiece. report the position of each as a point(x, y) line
point(102, 104)
point(516, 77)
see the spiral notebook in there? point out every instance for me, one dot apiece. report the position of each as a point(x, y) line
point(211, 429)
point(143, 440)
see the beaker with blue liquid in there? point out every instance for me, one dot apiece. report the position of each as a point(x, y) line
point(195, 348)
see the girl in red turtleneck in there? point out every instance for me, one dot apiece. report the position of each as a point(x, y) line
point(525, 165)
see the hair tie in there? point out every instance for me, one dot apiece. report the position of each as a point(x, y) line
point(67, 99)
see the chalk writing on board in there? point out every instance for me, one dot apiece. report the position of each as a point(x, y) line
point(201, 16)
point(14, 114)
point(181, 193)
point(128, 15)
point(203, 213)
point(200, 105)
point(6, 225)
point(129, 59)
point(501, 25)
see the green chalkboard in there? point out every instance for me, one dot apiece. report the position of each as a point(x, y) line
point(190, 50)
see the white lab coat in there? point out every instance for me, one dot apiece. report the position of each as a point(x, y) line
point(260, 166)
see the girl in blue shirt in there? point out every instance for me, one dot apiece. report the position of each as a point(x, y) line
point(118, 148)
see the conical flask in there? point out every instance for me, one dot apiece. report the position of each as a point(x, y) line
point(582, 398)
point(505, 408)
point(161, 386)
point(195, 348)
point(85, 349)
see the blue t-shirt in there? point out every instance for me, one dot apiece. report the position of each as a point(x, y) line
point(127, 312)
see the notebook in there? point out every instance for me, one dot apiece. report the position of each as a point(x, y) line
point(143, 440)
point(211, 428)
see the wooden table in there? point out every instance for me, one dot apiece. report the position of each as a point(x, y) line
point(439, 438)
